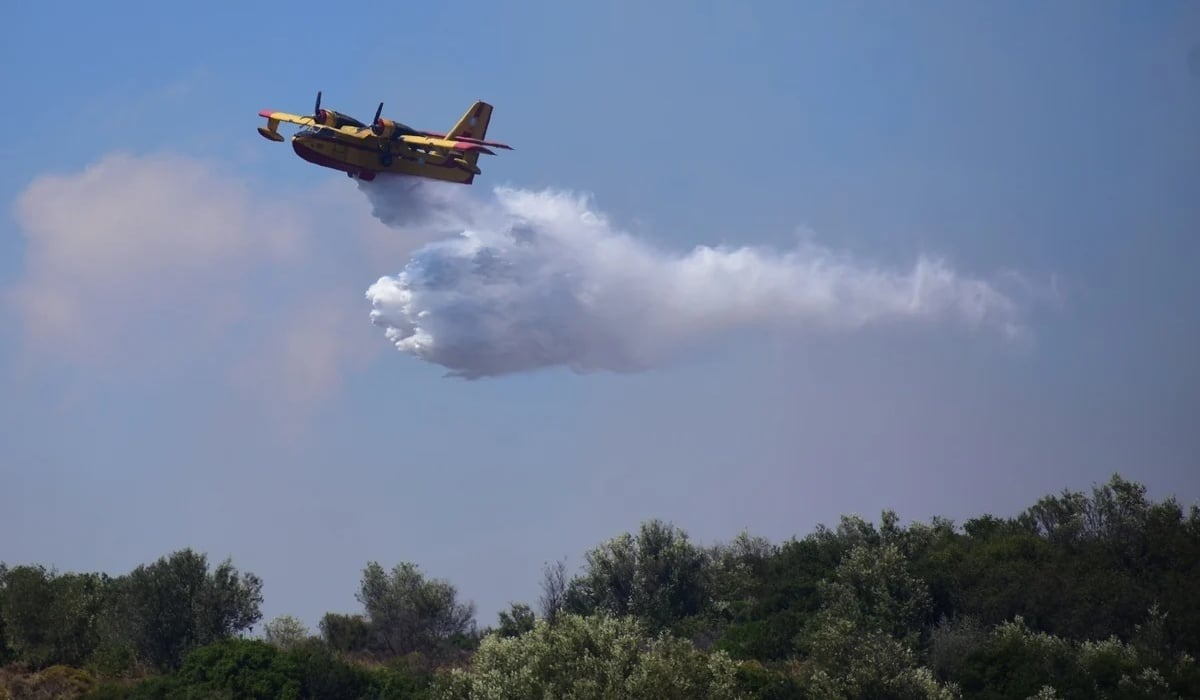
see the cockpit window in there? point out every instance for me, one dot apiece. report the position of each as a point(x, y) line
point(316, 132)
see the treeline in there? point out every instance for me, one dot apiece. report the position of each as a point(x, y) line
point(1082, 595)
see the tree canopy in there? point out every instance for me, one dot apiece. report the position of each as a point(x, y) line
point(1081, 595)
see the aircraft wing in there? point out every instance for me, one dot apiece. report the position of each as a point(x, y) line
point(273, 119)
point(454, 144)
point(285, 117)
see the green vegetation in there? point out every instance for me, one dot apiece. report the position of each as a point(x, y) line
point(1080, 596)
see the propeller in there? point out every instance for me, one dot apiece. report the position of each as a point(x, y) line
point(392, 129)
point(376, 124)
point(319, 115)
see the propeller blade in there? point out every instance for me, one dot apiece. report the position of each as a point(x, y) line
point(317, 107)
point(377, 113)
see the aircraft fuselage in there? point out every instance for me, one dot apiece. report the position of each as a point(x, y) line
point(340, 142)
point(359, 158)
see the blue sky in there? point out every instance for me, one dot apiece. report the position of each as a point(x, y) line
point(185, 348)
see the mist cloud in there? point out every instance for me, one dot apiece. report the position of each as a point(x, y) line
point(165, 267)
point(132, 244)
point(528, 280)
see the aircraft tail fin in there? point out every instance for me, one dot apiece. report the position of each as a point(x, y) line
point(472, 128)
point(473, 124)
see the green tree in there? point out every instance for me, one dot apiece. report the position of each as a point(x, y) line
point(50, 618)
point(658, 576)
point(241, 668)
point(737, 567)
point(285, 632)
point(407, 612)
point(253, 669)
point(951, 644)
point(783, 595)
point(1016, 661)
point(873, 589)
point(25, 603)
point(6, 654)
point(554, 590)
point(175, 605)
point(585, 658)
point(345, 633)
point(1075, 565)
point(862, 641)
point(515, 621)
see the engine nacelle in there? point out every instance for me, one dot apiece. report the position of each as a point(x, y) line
point(387, 129)
point(384, 128)
point(328, 117)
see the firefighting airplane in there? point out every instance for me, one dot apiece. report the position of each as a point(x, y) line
point(341, 142)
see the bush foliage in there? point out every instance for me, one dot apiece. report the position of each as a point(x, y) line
point(1082, 595)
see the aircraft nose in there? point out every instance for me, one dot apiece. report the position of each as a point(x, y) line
point(301, 146)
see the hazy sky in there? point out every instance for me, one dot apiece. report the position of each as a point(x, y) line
point(186, 350)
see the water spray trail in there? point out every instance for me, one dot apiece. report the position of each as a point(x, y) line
point(528, 280)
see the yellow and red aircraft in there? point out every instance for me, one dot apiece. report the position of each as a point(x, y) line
point(341, 142)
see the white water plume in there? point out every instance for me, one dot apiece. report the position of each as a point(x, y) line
point(539, 279)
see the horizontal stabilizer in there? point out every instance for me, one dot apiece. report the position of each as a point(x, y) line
point(481, 142)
